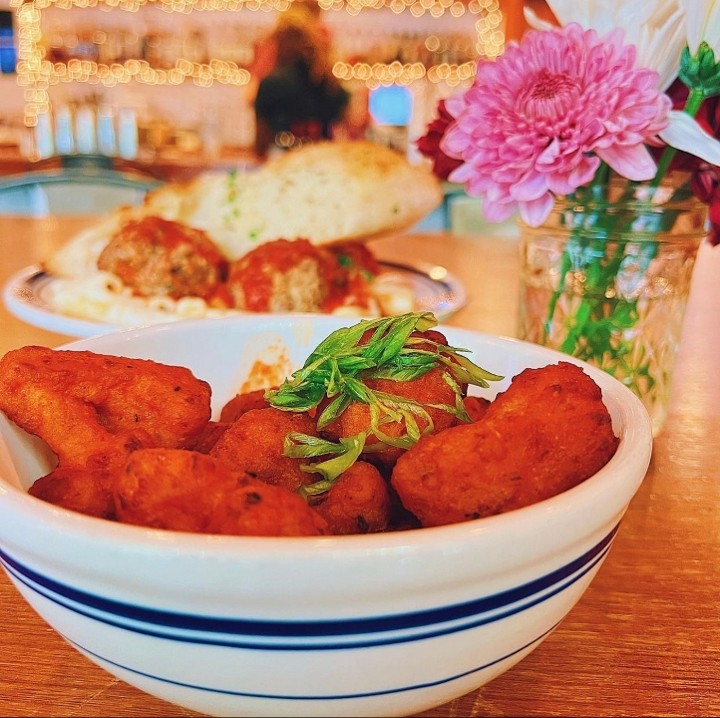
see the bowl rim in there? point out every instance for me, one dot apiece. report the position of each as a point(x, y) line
point(619, 478)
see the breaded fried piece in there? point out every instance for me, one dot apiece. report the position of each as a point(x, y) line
point(183, 490)
point(476, 407)
point(88, 492)
point(358, 502)
point(36, 400)
point(90, 407)
point(209, 436)
point(170, 489)
point(93, 410)
point(241, 403)
point(546, 433)
point(254, 445)
point(430, 388)
point(258, 509)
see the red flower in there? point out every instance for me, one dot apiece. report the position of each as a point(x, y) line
point(429, 144)
point(705, 182)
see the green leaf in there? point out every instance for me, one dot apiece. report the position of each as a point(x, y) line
point(306, 446)
point(340, 367)
point(357, 390)
point(347, 452)
point(333, 410)
point(466, 372)
point(701, 71)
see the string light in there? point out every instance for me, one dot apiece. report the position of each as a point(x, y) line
point(36, 73)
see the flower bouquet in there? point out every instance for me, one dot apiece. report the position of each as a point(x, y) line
point(600, 134)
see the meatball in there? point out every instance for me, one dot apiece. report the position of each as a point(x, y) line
point(159, 257)
point(355, 269)
point(281, 276)
point(298, 276)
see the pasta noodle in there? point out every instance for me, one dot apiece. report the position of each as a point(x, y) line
point(101, 297)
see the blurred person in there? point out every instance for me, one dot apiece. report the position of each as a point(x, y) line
point(300, 100)
point(266, 49)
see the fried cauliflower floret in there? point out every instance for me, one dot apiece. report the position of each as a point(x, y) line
point(254, 446)
point(209, 436)
point(241, 403)
point(259, 509)
point(358, 502)
point(89, 406)
point(430, 388)
point(93, 410)
point(87, 492)
point(546, 433)
point(160, 257)
point(183, 490)
point(475, 406)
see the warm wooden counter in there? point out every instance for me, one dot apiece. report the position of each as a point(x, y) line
point(645, 638)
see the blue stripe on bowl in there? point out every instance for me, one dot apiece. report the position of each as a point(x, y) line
point(334, 642)
point(317, 697)
point(317, 634)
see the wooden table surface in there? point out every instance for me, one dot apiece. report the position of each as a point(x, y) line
point(644, 640)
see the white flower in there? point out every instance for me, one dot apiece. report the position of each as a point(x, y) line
point(655, 27)
point(683, 133)
point(703, 23)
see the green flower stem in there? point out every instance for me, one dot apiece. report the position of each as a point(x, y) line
point(597, 329)
point(601, 222)
point(692, 106)
point(598, 324)
point(597, 186)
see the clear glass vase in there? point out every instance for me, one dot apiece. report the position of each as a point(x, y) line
point(606, 279)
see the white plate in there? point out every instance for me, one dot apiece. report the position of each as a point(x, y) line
point(434, 289)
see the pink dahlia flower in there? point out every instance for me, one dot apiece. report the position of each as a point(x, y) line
point(537, 121)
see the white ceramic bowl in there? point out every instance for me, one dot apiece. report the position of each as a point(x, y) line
point(385, 624)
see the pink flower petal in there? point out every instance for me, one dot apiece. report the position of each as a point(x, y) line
point(536, 212)
point(529, 189)
point(498, 211)
point(634, 162)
